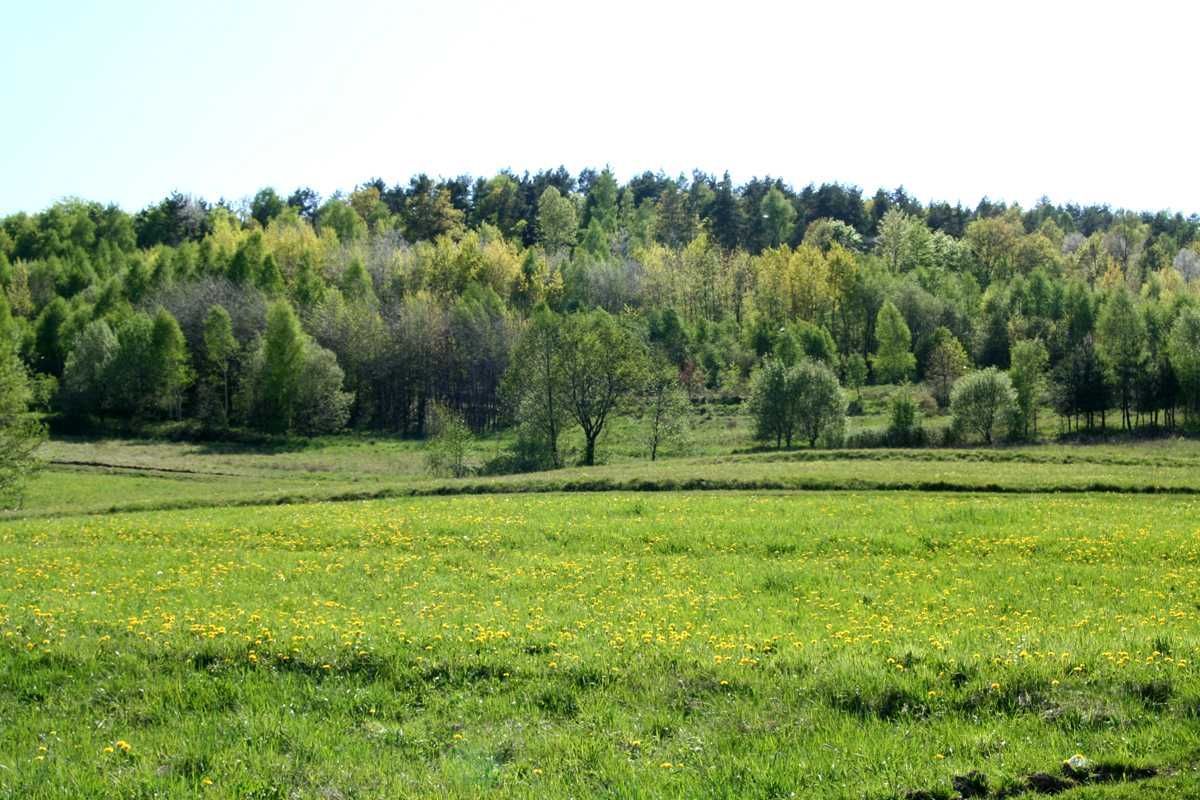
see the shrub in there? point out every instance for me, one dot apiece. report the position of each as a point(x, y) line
point(446, 450)
point(982, 401)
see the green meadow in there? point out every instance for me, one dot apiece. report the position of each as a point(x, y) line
point(526, 641)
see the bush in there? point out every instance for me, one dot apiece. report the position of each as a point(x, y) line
point(982, 401)
point(904, 426)
point(446, 450)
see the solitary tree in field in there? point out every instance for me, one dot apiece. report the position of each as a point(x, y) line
point(982, 401)
point(1121, 341)
point(450, 439)
point(1029, 361)
point(667, 408)
point(818, 404)
point(771, 403)
point(893, 360)
point(947, 363)
point(602, 366)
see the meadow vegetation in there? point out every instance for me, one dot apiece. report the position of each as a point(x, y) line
point(883, 644)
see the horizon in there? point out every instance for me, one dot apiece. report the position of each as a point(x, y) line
point(237, 202)
point(133, 101)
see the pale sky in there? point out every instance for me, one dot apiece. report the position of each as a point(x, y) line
point(127, 101)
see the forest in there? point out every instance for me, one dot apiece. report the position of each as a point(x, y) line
point(551, 299)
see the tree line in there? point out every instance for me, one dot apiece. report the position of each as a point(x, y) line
point(297, 314)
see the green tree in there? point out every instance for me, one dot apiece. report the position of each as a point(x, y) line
point(266, 206)
point(86, 377)
point(904, 419)
point(308, 289)
point(771, 403)
point(50, 337)
point(856, 375)
point(817, 403)
point(269, 278)
point(282, 356)
point(1121, 342)
point(321, 405)
point(779, 217)
point(667, 408)
point(893, 360)
point(1029, 362)
point(20, 433)
point(903, 241)
point(534, 389)
point(133, 372)
point(947, 363)
point(356, 284)
point(220, 348)
point(602, 207)
point(429, 213)
point(340, 217)
point(982, 401)
point(449, 442)
point(603, 366)
point(802, 400)
point(557, 221)
point(169, 357)
point(247, 264)
point(1183, 349)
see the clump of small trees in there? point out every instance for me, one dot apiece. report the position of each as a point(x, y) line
point(799, 402)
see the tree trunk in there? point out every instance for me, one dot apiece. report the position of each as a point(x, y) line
point(589, 453)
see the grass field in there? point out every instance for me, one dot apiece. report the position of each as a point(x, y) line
point(182, 620)
point(113, 475)
point(698, 644)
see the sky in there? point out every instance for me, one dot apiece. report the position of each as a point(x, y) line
point(125, 102)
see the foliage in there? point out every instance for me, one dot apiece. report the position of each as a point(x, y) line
point(422, 290)
point(904, 420)
point(1029, 361)
point(948, 362)
point(1121, 343)
point(220, 348)
point(803, 400)
point(602, 366)
point(20, 433)
point(893, 360)
point(449, 441)
point(818, 404)
point(982, 402)
point(1184, 349)
point(666, 409)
